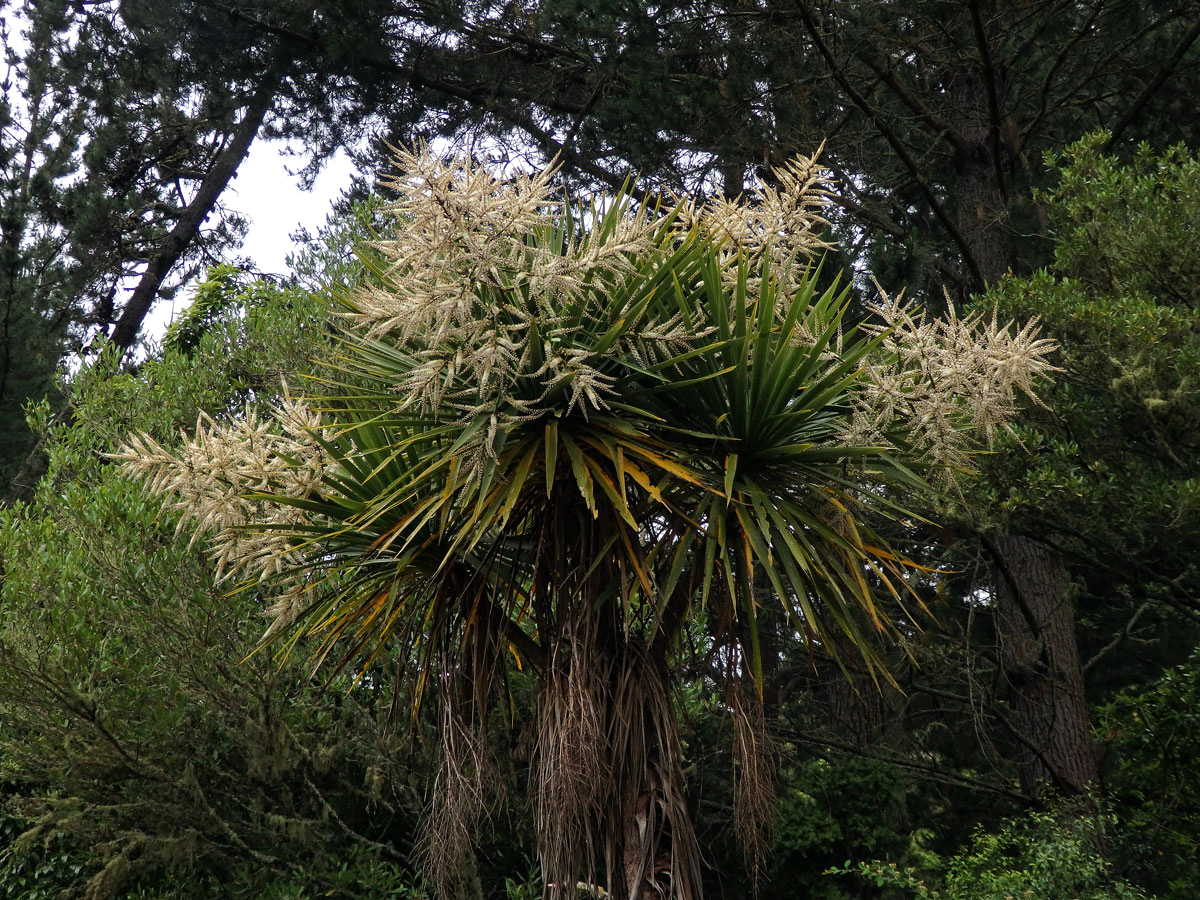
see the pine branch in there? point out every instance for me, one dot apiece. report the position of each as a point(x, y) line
point(893, 141)
point(1151, 88)
point(181, 237)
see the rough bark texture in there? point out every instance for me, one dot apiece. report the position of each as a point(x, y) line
point(983, 215)
point(866, 713)
point(1035, 622)
point(980, 160)
point(1049, 717)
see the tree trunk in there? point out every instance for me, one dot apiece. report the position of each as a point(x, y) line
point(1049, 715)
point(1034, 616)
point(980, 161)
point(864, 712)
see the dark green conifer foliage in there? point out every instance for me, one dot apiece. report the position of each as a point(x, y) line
point(40, 132)
point(935, 115)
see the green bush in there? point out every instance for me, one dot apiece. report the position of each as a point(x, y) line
point(1050, 855)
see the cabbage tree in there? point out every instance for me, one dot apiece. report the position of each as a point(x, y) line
point(562, 436)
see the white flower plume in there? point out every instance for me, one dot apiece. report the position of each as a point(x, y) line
point(945, 381)
point(482, 265)
point(496, 300)
point(212, 479)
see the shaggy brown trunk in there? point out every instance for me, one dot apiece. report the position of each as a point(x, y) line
point(863, 712)
point(610, 803)
point(658, 849)
point(1041, 662)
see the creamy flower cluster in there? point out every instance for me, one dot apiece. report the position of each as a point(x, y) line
point(481, 270)
point(213, 479)
point(942, 382)
point(782, 220)
point(481, 274)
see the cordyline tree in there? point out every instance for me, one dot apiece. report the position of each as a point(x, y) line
point(565, 437)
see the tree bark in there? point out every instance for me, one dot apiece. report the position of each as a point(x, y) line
point(979, 161)
point(1035, 622)
point(863, 712)
point(1036, 631)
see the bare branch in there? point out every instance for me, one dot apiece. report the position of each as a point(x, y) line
point(887, 77)
point(1164, 72)
point(180, 238)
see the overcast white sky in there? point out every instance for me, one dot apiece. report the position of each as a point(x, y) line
point(272, 200)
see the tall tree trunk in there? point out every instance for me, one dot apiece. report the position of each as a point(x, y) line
point(1034, 615)
point(1041, 662)
point(865, 712)
point(981, 195)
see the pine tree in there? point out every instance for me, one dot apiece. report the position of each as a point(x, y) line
point(114, 155)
